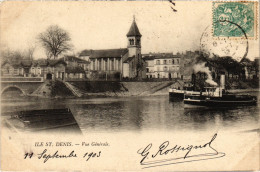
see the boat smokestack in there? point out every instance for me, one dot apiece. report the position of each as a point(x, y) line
point(193, 80)
point(222, 81)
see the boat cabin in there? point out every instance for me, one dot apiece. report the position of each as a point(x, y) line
point(213, 92)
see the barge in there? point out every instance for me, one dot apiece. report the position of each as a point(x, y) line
point(44, 119)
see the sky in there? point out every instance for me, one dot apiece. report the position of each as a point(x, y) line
point(104, 25)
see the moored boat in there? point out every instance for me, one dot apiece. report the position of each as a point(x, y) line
point(178, 94)
point(42, 120)
point(217, 97)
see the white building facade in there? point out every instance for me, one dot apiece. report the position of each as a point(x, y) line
point(162, 65)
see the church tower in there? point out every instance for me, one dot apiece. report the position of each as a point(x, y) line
point(134, 41)
point(134, 50)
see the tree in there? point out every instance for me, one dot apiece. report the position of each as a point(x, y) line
point(55, 41)
point(28, 53)
point(139, 68)
point(12, 55)
point(18, 55)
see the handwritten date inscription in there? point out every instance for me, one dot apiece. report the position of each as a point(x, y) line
point(45, 155)
point(167, 155)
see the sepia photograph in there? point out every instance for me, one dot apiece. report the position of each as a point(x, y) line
point(129, 85)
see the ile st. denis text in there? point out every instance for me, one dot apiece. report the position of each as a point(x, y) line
point(48, 144)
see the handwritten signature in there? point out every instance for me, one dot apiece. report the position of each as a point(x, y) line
point(177, 154)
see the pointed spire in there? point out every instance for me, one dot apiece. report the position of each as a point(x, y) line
point(134, 31)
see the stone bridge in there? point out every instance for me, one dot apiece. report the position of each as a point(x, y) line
point(26, 85)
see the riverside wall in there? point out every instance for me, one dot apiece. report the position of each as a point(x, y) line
point(117, 88)
point(111, 88)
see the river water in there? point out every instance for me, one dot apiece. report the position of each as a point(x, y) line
point(139, 114)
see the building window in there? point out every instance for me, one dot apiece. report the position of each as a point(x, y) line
point(165, 62)
point(132, 42)
point(20, 71)
point(147, 69)
point(157, 62)
point(33, 71)
point(158, 68)
point(165, 68)
point(178, 61)
point(15, 71)
point(138, 42)
point(172, 61)
point(7, 70)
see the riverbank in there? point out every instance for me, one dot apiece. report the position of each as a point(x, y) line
point(89, 89)
point(124, 89)
point(164, 92)
point(60, 89)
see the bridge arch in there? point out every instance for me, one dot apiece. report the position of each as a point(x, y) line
point(12, 86)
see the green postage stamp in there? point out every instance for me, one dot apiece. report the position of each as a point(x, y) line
point(235, 19)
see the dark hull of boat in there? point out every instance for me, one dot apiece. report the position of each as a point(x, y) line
point(178, 96)
point(36, 120)
point(220, 103)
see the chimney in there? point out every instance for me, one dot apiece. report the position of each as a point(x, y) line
point(222, 81)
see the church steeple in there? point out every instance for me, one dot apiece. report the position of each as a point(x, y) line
point(134, 35)
point(134, 50)
point(134, 31)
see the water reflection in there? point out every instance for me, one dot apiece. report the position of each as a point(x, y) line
point(141, 113)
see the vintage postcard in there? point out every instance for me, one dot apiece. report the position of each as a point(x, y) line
point(129, 85)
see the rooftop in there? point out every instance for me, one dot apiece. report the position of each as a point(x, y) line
point(152, 56)
point(73, 58)
point(104, 53)
point(134, 31)
point(129, 59)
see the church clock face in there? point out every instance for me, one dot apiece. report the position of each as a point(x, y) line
point(237, 49)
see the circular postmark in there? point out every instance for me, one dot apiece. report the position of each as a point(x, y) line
point(237, 49)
